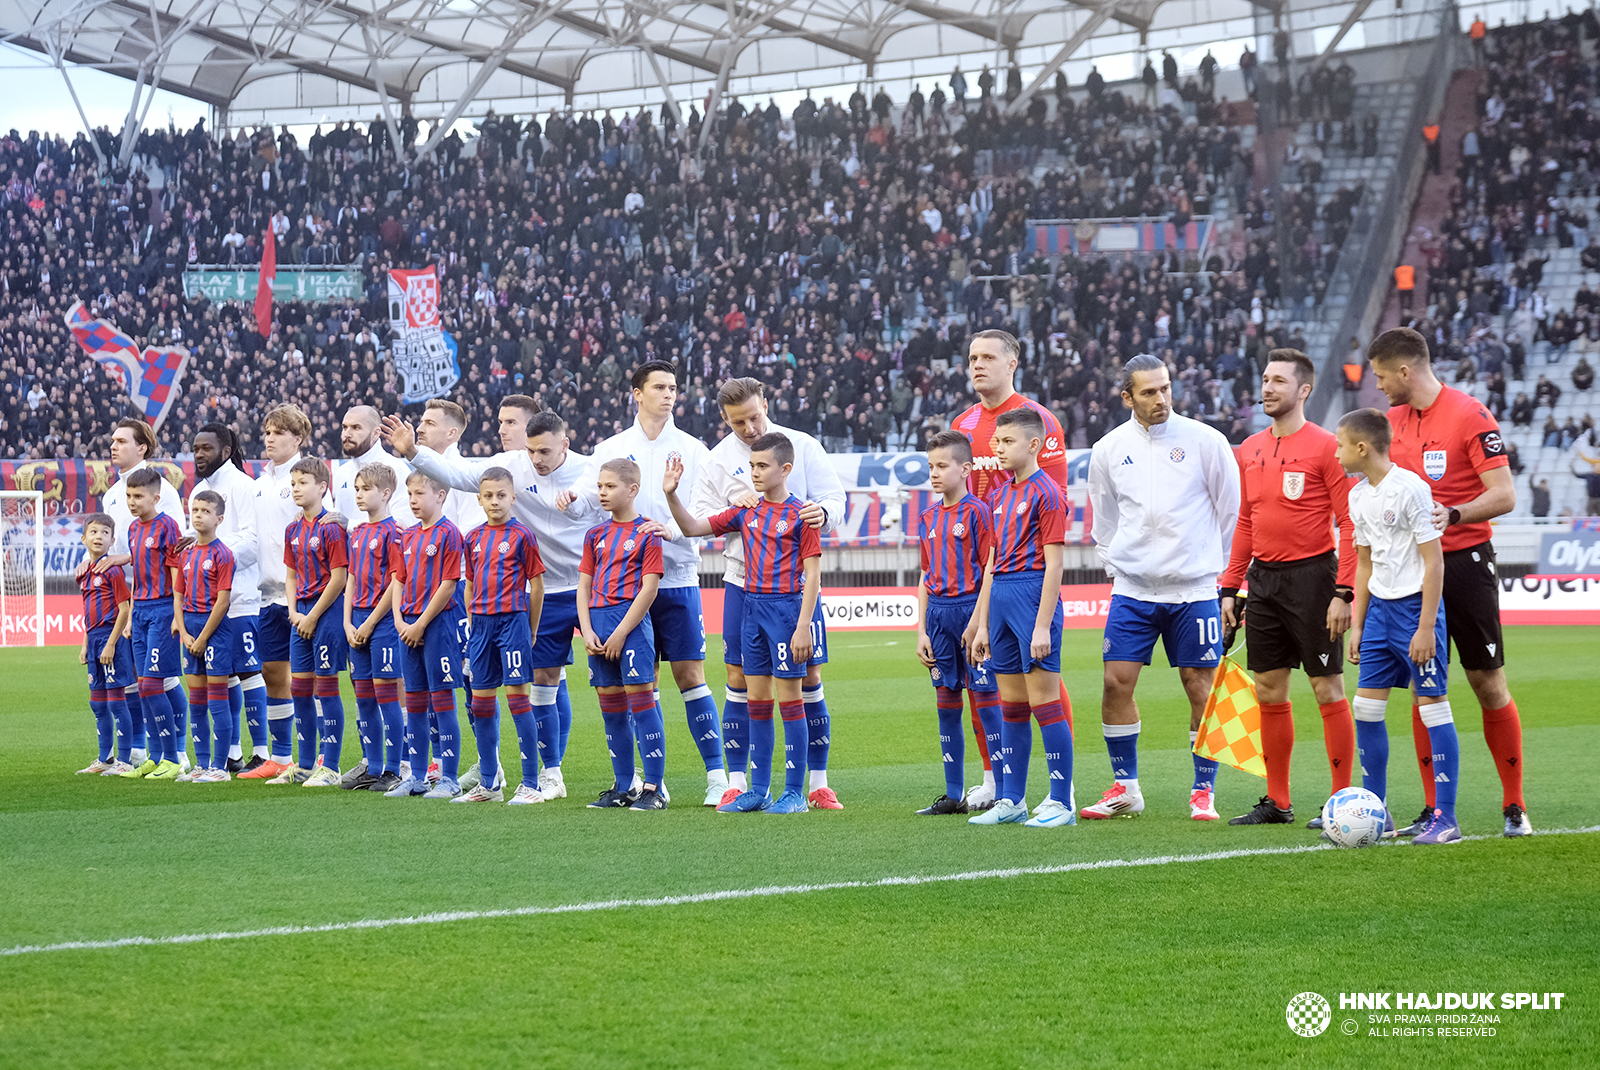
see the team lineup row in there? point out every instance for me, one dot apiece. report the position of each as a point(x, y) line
point(478, 574)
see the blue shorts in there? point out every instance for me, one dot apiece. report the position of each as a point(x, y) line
point(438, 664)
point(500, 650)
point(733, 597)
point(246, 646)
point(327, 653)
point(1191, 632)
point(117, 675)
point(1386, 648)
point(552, 647)
point(1013, 609)
point(947, 620)
point(380, 658)
point(155, 649)
point(768, 627)
point(218, 658)
point(679, 624)
point(638, 662)
point(272, 632)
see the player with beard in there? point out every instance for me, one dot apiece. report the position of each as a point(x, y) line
point(219, 467)
point(1454, 443)
point(1294, 494)
point(362, 445)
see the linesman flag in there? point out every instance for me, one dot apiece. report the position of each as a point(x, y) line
point(1230, 731)
point(150, 377)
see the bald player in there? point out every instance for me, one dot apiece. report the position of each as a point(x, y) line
point(1454, 443)
point(992, 370)
point(359, 438)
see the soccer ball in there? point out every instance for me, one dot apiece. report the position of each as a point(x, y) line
point(1354, 817)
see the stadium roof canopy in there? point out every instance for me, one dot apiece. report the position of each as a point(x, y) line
point(292, 60)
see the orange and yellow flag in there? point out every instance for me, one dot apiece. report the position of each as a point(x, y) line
point(1230, 731)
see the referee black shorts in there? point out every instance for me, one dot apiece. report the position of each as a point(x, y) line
point(1472, 607)
point(1286, 616)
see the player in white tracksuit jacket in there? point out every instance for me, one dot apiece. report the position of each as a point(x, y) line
point(1165, 493)
point(675, 614)
point(725, 482)
point(543, 471)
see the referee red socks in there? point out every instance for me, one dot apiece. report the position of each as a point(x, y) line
point(1502, 731)
point(1277, 745)
point(1339, 739)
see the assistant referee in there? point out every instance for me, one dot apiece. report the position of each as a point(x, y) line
point(1293, 494)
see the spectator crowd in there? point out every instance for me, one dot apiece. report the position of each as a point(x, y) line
point(842, 253)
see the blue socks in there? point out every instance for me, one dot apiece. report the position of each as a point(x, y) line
point(1205, 769)
point(486, 730)
point(952, 740)
point(1057, 739)
point(327, 693)
point(546, 719)
point(448, 726)
point(104, 727)
point(818, 728)
point(736, 731)
point(1372, 745)
point(795, 743)
point(1016, 750)
point(564, 714)
point(763, 736)
point(1446, 749)
point(416, 738)
point(1122, 744)
point(199, 710)
point(619, 738)
point(221, 710)
point(180, 719)
point(369, 729)
point(117, 706)
point(530, 742)
point(255, 713)
point(306, 729)
point(652, 737)
point(280, 726)
point(701, 710)
point(136, 724)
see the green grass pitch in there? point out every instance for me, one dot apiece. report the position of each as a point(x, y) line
point(1182, 963)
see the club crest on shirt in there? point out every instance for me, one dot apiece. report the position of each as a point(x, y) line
point(372, 544)
point(284, 493)
point(432, 550)
point(95, 582)
point(783, 526)
point(206, 564)
point(958, 530)
point(1388, 516)
point(505, 547)
point(1022, 507)
point(315, 542)
point(1176, 454)
point(149, 541)
point(627, 547)
point(1433, 464)
point(1294, 485)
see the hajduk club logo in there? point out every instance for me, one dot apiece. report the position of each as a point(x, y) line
point(1308, 1014)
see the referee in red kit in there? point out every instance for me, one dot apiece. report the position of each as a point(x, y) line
point(1294, 493)
point(1453, 442)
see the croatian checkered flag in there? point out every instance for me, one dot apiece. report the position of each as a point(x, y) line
point(151, 378)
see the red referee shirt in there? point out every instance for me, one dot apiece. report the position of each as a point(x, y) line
point(1292, 492)
point(1450, 444)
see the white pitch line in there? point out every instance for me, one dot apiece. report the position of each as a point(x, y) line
point(725, 895)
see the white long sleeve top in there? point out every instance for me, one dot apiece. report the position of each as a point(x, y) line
point(1165, 499)
point(560, 533)
point(114, 503)
point(275, 511)
point(344, 486)
point(726, 476)
point(239, 533)
point(680, 554)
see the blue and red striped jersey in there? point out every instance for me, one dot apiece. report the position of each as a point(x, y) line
point(371, 547)
point(619, 556)
point(956, 540)
point(776, 543)
point(150, 543)
point(103, 592)
point(314, 548)
point(425, 556)
point(1028, 516)
point(500, 562)
point(203, 570)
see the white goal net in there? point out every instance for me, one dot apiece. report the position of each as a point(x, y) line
point(21, 568)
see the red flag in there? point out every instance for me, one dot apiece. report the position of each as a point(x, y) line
point(269, 271)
